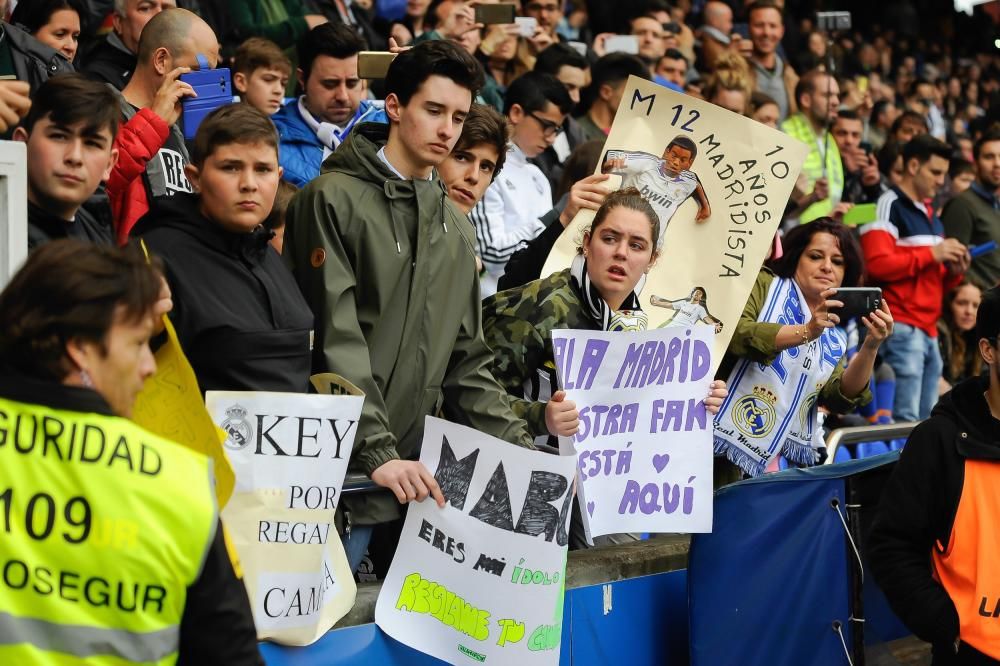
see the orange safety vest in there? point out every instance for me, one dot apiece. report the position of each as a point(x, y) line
point(967, 568)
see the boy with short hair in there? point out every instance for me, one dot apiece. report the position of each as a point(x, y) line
point(238, 313)
point(477, 157)
point(386, 263)
point(70, 132)
point(260, 74)
point(510, 213)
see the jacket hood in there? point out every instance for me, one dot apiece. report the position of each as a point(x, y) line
point(358, 157)
point(966, 406)
point(180, 212)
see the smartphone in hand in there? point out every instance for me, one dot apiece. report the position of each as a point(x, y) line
point(214, 89)
point(858, 302)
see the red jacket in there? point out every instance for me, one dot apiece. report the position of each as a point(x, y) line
point(899, 258)
point(137, 142)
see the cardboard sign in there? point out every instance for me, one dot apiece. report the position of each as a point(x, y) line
point(482, 580)
point(290, 453)
point(690, 157)
point(644, 447)
point(170, 405)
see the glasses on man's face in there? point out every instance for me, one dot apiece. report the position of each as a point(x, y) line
point(551, 8)
point(550, 129)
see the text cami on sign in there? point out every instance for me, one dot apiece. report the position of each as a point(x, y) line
point(482, 580)
point(644, 447)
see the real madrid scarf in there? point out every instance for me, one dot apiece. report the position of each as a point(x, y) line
point(629, 317)
point(772, 408)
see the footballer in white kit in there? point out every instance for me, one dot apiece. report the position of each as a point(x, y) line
point(688, 311)
point(666, 182)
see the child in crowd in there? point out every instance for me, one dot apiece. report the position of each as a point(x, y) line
point(260, 74)
point(239, 316)
point(276, 220)
point(70, 132)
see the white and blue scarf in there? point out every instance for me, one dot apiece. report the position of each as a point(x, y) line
point(629, 317)
point(771, 408)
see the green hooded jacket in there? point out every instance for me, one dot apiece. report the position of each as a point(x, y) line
point(387, 266)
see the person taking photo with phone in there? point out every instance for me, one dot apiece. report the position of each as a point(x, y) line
point(151, 149)
point(786, 344)
point(908, 257)
point(863, 182)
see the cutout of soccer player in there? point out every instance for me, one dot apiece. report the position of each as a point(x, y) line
point(666, 181)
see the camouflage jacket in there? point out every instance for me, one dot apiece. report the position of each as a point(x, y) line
point(518, 325)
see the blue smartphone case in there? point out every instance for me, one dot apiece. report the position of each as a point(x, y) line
point(214, 89)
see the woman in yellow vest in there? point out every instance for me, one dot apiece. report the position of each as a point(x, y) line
point(111, 550)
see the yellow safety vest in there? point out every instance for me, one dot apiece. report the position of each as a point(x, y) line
point(103, 527)
point(823, 152)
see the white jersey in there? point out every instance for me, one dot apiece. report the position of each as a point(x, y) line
point(648, 174)
point(687, 313)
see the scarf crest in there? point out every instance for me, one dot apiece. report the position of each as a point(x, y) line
point(771, 409)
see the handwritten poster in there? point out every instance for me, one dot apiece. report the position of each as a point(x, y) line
point(718, 182)
point(644, 447)
point(290, 453)
point(482, 580)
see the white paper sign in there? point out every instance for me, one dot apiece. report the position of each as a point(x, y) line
point(644, 448)
point(481, 580)
point(289, 452)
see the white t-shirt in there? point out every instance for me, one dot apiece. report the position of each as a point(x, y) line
point(687, 313)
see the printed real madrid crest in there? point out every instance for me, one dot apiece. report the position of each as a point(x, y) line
point(238, 430)
point(627, 320)
point(754, 414)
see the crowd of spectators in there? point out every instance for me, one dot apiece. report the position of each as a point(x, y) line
point(507, 121)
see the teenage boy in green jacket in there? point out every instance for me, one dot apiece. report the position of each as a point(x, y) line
point(386, 261)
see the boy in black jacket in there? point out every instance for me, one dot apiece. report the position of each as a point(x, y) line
point(934, 544)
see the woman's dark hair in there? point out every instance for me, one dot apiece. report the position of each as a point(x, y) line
point(71, 289)
point(631, 198)
point(436, 57)
point(759, 99)
point(33, 15)
point(797, 240)
point(580, 164)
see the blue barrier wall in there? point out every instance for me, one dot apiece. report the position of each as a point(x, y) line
point(644, 622)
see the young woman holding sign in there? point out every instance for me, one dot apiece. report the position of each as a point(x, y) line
point(788, 355)
point(598, 292)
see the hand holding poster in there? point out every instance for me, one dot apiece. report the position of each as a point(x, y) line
point(481, 580)
point(290, 453)
point(644, 447)
point(718, 182)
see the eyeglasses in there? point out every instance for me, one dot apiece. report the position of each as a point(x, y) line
point(549, 129)
point(539, 7)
